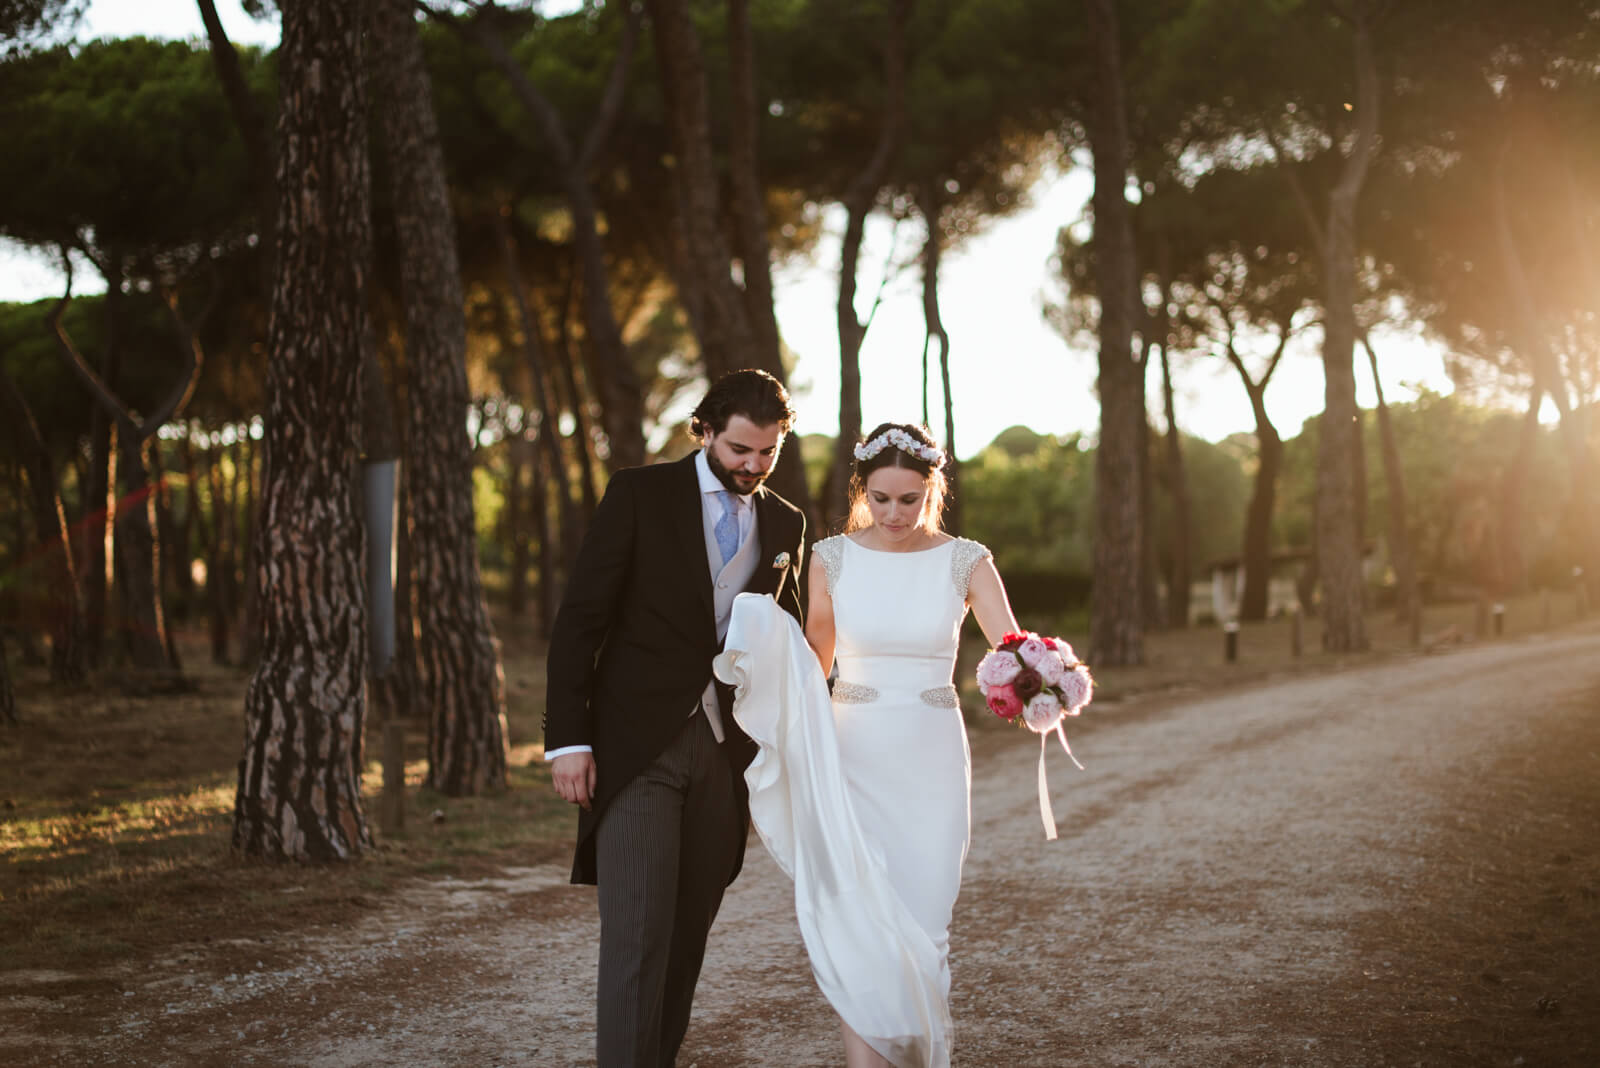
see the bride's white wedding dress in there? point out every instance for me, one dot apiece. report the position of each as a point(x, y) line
point(863, 798)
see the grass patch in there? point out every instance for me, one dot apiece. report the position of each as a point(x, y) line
point(116, 815)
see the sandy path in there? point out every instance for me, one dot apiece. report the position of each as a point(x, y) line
point(1223, 868)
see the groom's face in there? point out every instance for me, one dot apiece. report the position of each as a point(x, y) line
point(741, 455)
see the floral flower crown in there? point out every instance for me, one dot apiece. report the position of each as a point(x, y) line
point(903, 441)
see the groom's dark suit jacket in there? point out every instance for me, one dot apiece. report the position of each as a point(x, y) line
point(631, 649)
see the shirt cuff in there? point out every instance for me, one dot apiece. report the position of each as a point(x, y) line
point(564, 750)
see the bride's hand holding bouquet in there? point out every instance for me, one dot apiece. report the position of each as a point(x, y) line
point(1036, 681)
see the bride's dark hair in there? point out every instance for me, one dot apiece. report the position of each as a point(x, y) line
point(891, 455)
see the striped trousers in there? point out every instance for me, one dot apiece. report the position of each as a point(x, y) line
point(664, 851)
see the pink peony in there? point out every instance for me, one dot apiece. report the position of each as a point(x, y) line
point(1004, 702)
point(1076, 689)
point(1042, 713)
point(1027, 683)
point(1051, 667)
point(1061, 646)
point(997, 669)
point(1032, 650)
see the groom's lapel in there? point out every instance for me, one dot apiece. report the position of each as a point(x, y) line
point(689, 522)
point(761, 580)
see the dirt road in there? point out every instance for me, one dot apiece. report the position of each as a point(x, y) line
point(1392, 865)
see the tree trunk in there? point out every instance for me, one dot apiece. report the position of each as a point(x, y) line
point(1255, 600)
point(8, 696)
point(519, 455)
point(932, 257)
point(749, 213)
point(534, 351)
point(100, 501)
point(726, 336)
point(1149, 592)
point(1256, 596)
point(255, 478)
point(181, 550)
point(1338, 513)
point(1401, 557)
point(167, 557)
point(1180, 577)
point(581, 442)
point(858, 201)
point(463, 686)
point(136, 548)
point(1513, 530)
point(548, 564)
point(1116, 632)
point(750, 223)
point(299, 792)
point(1547, 369)
point(213, 546)
point(134, 541)
point(619, 388)
point(50, 532)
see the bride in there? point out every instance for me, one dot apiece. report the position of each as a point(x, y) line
point(863, 796)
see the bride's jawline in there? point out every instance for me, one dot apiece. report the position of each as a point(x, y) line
point(948, 539)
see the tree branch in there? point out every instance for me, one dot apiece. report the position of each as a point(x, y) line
point(80, 366)
point(611, 101)
point(1302, 199)
point(184, 387)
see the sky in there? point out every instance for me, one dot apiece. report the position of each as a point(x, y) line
point(1008, 365)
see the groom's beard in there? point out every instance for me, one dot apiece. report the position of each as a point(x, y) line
point(730, 479)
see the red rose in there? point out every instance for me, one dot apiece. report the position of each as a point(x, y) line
point(1027, 684)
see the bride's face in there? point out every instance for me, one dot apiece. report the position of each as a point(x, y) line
point(896, 497)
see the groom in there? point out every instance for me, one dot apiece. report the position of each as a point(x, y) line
point(638, 735)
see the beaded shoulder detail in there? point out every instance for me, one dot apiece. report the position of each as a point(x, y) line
point(963, 558)
point(831, 552)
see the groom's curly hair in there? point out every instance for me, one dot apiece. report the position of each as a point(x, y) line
point(752, 393)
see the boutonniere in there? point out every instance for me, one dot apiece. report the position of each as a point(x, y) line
point(780, 561)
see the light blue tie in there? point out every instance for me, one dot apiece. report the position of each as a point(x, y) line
point(727, 528)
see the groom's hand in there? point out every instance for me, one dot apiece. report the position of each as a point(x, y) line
point(573, 776)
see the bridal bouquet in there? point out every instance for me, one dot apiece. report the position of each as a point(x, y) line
point(1036, 682)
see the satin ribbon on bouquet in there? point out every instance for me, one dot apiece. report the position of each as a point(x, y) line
point(1046, 813)
point(1036, 682)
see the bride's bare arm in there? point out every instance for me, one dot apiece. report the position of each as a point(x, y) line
point(987, 596)
point(819, 615)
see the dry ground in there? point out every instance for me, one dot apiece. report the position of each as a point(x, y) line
point(1394, 864)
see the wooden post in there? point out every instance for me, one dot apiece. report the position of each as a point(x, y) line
point(1230, 641)
point(1480, 623)
point(1296, 631)
point(1415, 623)
point(1499, 613)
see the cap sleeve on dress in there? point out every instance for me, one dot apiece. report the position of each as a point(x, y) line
point(831, 552)
point(963, 559)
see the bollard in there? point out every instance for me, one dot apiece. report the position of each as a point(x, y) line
point(1499, 611)
point(1230, 641)
point(392, 812)
point(1296, 631)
